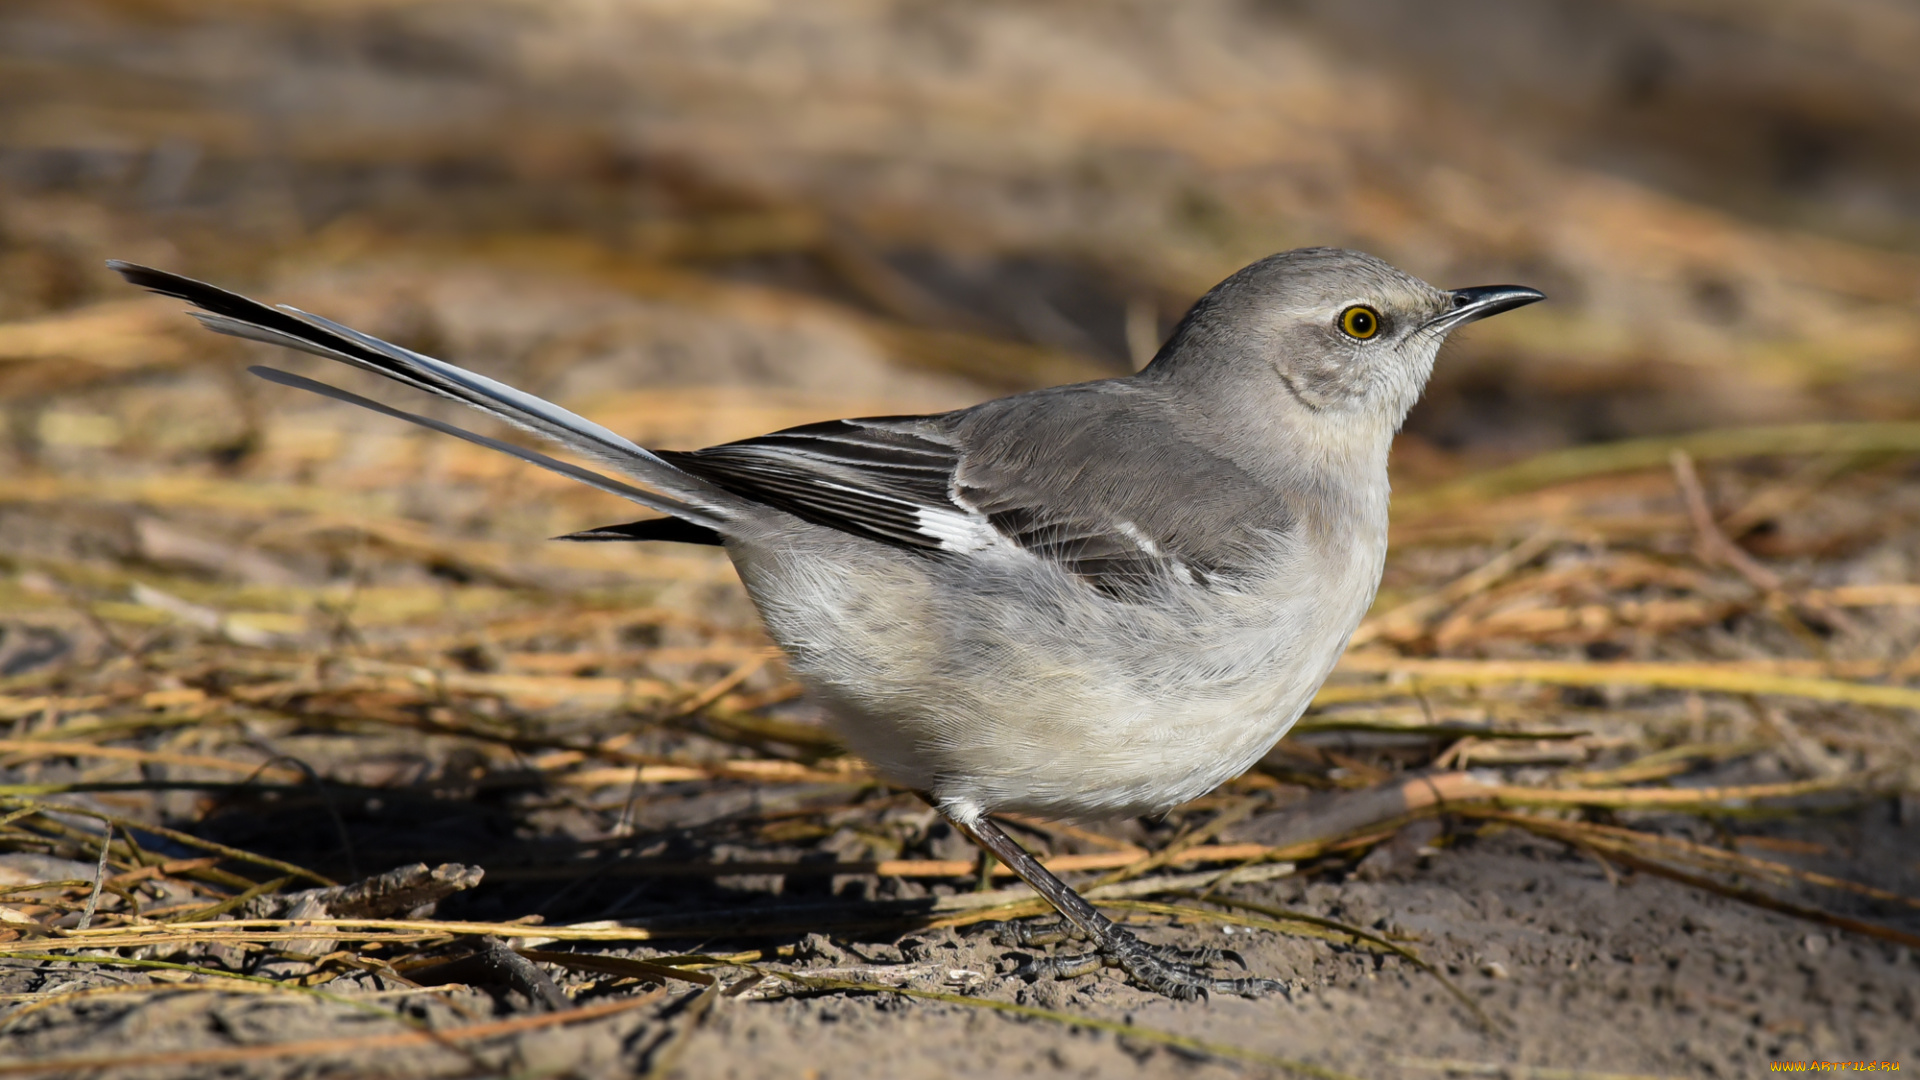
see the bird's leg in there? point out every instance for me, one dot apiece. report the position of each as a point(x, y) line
point(1170, 972)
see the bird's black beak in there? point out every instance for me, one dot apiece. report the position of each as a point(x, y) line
point(1484, 300)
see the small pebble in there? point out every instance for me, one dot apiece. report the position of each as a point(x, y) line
point(818, 947)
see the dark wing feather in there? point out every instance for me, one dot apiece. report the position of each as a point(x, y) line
point(1111, 561)
point(876, 477)
point(665, 530)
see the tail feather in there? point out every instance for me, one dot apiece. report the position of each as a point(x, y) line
point(649, 499)
point(681, 494)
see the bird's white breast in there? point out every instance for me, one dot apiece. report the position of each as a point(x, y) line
point(1004, 684)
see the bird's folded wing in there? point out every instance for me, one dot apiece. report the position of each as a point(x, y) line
point(884, 478)
point(892, 479)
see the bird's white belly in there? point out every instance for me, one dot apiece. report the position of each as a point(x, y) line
point(1086, 710)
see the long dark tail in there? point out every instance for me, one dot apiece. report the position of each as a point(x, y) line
point(679, 494)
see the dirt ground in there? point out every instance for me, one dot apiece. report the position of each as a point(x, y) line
point(1571, 971)
point(317, 758)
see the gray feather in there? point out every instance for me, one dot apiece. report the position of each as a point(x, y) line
point(650, 500)
point(230, 313)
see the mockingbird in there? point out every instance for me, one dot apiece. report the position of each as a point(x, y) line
point(1088, 601)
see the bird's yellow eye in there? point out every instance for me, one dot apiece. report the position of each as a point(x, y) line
point(1360, 321)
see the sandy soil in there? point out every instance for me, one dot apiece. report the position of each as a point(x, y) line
point(1572, 971)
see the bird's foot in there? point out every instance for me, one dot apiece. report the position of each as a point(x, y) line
point(1164, 969)
point(1036, 933)
point(1030, 934)
point(1181, 973)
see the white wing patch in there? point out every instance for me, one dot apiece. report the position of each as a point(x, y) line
point(956, 530)
point(1140, 540)
point(1145, 543)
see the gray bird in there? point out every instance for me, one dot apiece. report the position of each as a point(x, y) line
point(1082, 602)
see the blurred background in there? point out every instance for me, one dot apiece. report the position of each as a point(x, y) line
point(842, 205)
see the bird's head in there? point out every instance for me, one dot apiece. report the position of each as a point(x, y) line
point(1344, 333)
